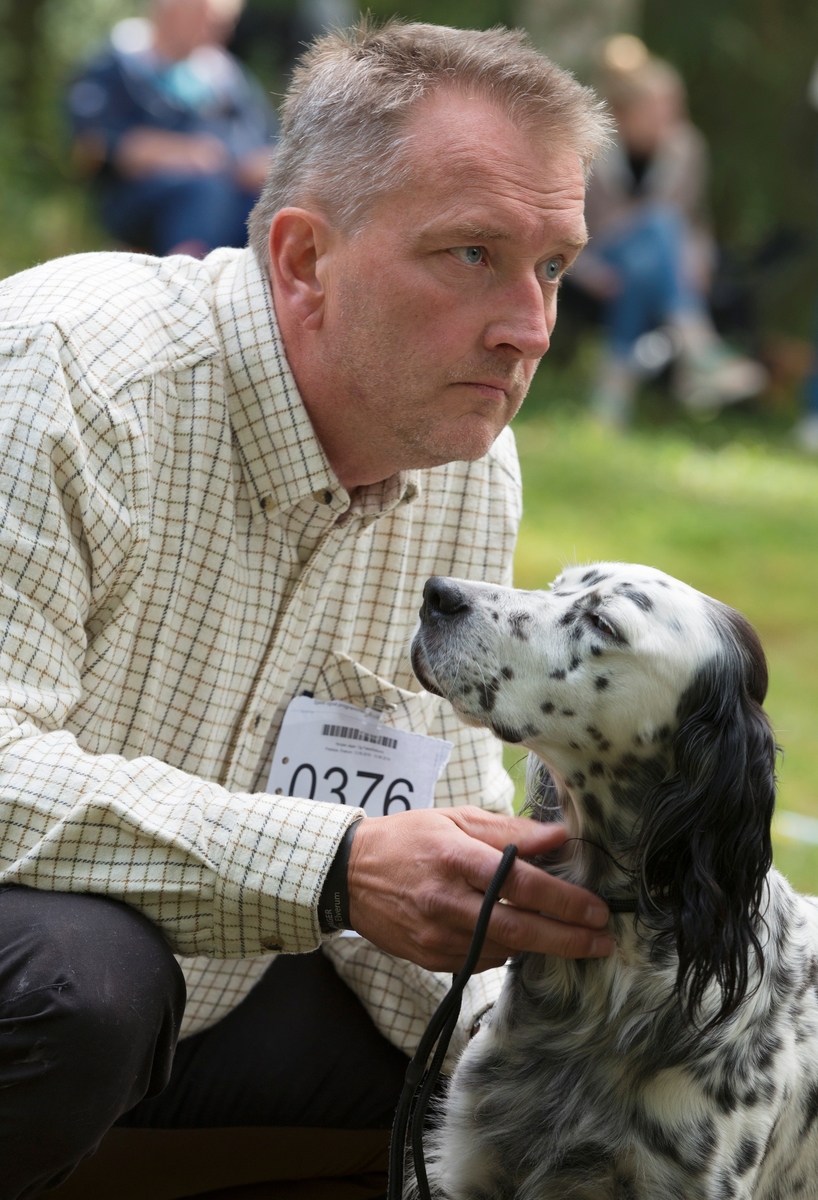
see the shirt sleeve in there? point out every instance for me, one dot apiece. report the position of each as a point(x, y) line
point(221, 874)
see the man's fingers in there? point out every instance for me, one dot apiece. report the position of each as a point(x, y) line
point(510, 931)
point(519, 929)
point(528, 886)
point(532, 888)
point(514, 927)
point(530, 837)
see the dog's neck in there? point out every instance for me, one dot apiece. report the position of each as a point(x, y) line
point(600, 801)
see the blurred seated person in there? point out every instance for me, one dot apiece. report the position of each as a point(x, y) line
point(177, 133)
point(651, 252)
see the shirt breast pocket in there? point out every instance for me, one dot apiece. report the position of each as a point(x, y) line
point(341, 678)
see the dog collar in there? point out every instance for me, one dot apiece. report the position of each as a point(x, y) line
point(622, 904)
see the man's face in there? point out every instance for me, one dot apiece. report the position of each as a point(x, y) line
point(439, 310)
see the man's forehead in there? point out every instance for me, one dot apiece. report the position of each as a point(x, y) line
point(482, 204)
point(477, 168)
point(460, 130)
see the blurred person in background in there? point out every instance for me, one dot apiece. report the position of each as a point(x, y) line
point(177, 133)
point(651, 252)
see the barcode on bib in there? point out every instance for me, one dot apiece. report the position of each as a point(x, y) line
point(358, 735)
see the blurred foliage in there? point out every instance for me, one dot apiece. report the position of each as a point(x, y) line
point(46, 210)
point(467, 14)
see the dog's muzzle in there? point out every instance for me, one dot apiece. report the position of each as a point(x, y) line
point(444, 605)
point(443, 601)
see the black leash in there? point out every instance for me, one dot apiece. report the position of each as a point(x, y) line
point(439, 1030)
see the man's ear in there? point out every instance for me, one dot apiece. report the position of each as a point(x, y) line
point(298, 241)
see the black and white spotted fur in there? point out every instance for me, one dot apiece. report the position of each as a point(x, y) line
point(686, 1064)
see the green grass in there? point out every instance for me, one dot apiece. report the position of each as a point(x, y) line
point(726, 506)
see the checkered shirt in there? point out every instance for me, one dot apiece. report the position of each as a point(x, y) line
point(177, 562)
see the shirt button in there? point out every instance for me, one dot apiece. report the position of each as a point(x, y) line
point(323, 496)
point(269, 944)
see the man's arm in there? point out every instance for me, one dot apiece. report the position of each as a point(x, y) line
point(145, 151)
point(222, 874)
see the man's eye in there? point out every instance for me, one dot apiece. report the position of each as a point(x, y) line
point(551, 270)
point(471, 255)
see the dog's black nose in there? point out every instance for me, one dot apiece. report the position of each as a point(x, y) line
point(442, 598)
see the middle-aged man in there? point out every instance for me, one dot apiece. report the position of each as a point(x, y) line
point(223, 485)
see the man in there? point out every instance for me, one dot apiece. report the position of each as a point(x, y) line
point(175, 130)
point(225, 483)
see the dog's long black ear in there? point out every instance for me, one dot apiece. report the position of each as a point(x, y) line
point(705, 847)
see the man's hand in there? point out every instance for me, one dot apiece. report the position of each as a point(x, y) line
point(145, 151)
point(416, 882)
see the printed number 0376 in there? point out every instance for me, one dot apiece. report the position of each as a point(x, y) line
point(392, 796)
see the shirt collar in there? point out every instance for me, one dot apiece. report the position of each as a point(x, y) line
point(282, 459)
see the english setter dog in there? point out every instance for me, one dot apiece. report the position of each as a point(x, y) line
point(685, 1066)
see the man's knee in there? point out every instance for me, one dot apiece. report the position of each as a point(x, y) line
point(88, 959)
point(91, 1000)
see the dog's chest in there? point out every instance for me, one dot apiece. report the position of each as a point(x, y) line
point(555, 1101)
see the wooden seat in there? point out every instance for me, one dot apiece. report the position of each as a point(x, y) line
point(233, 1164)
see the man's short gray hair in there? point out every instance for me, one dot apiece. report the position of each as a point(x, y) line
point(344, 117)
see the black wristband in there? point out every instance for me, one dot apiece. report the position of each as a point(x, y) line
point(333, 903)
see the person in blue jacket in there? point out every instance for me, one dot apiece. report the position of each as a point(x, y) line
point(177, 133)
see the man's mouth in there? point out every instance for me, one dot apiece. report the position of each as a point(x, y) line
point(489, 389)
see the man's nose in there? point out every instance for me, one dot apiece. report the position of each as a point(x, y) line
point(442, 600)
point(525, 320)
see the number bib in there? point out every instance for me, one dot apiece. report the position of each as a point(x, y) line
point(328, 750)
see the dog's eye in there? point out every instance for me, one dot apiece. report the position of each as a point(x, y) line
point(604, 626)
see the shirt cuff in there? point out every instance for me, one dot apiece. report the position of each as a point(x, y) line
point(275, 861)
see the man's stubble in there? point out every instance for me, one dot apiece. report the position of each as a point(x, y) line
point(389, 382)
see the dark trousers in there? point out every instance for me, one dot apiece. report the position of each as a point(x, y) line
point(91, 1000)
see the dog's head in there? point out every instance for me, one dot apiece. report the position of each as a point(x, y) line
point(643, 697)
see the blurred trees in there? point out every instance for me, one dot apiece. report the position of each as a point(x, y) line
point(747, 64)
point(571, 30)
point(45, 209)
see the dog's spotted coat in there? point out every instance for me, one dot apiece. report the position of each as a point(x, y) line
point(685, 1066)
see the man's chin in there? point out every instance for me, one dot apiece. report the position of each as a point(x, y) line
point(467, 442)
